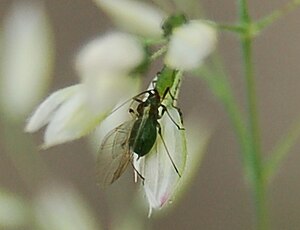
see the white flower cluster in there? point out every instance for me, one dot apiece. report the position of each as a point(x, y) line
point(105, 66)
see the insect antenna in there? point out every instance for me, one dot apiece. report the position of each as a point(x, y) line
point(136, 98)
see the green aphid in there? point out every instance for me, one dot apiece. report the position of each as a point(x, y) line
point(137, 136)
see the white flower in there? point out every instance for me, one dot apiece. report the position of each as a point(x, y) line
point(66, 114)
point(114, 52)
point(75, 111)
point(190, 44)
point(135, 16)
point(26, 59)
point(44, 113)
point(104, 65)
point(161, 178)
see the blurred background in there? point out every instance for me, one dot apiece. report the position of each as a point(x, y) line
point(48, 189)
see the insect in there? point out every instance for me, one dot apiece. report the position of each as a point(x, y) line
point(135, 136)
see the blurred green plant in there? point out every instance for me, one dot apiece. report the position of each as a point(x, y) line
point(14, 212)
point(247, 127)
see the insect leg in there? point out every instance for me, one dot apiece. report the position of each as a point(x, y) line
point(175, 107)
point(168, 91)
point(165, 93)
point(133, 113)
point(137, 172)
point(169, 155)
point(164, 109)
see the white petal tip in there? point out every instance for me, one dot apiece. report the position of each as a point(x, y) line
point(28, 129)
point(44, 146)
point(31, 127)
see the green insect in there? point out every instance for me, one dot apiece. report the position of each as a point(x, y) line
point(136, 136)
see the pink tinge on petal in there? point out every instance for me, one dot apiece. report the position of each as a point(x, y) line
point(164, 199)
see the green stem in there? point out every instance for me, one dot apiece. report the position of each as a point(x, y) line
point(281, 150)
point(243, 11)
point(253, 121)
point(158, 53)
point(277, 14)
point(255, 161)
point(219, 85)
point(231, 28)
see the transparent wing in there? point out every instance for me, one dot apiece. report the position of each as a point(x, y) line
point(114, 154)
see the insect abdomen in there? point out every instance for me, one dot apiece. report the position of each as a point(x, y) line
point(143, 136)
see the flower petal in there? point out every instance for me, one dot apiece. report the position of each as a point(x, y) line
point(102, 93)
point(118, 115)
point(114, 52)
point(190, 44)
point(161, 178)
point(135, 16)
point(71, 121)
point(45, 110)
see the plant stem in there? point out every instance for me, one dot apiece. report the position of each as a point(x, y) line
point(255, 160)
point(158, 53)
point(253, 121)
point(231, 28)
point(281, 150)
point(243, 11)
point(277, 14)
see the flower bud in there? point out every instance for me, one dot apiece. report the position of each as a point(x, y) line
point(190, 44)
point(135, 16)
point(114, 52)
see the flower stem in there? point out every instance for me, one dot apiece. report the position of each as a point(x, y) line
point(231, 28)
point(243, 11)
point(255, 160)
point(158, 53)
point(277, 14)
point(281, 150)
point(253, 121)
